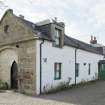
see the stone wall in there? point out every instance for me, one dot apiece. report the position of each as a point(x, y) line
point(25, 57)
point(17, 30)
point(21, 40)
point(7, 57)
point(27, 67)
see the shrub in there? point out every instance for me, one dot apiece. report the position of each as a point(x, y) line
point(66, 85)
point(61, 86)
point(3, 85)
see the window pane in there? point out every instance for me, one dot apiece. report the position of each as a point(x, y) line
point(57, 36)
point(57, 41)
point(57, 75)
point(58, 33)
point(57, 70)
point(57, 66)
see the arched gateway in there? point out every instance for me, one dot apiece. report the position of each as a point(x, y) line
point(14, 72)
point(8, 67)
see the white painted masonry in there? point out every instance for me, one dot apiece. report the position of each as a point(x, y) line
point(66, 56)
point(87, 57)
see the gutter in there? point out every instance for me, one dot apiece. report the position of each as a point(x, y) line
point(75, 64)
point(41, 65)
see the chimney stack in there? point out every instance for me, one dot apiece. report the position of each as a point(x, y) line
point(55, 18)
point(93, 40)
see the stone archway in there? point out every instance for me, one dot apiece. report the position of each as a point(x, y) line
point(14, 74)
point(7, 58)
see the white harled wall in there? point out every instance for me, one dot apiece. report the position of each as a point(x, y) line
point(87, 57)
point(66, 56)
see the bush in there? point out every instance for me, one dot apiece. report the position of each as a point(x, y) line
point(66, 86)
point(3, 85)
point(61, 86)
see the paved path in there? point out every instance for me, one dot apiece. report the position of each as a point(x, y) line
point(13, 98)
point(92, 94)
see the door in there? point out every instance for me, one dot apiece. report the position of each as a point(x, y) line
point(101, 71)
point(14, 71)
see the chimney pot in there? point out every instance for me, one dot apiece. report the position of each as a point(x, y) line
point(91, 41)
point(91, 37)
point(55, 19)
point(94, 38)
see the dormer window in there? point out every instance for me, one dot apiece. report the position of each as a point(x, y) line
point(57, 37)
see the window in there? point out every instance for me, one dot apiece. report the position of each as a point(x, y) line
point(77, 70)
point(89, 68)
point(57, 69)
point(57, 37)
point(6, 28)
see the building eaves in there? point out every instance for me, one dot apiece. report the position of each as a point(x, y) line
point(69, 41)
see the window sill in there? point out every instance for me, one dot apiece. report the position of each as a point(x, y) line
point(57, 78)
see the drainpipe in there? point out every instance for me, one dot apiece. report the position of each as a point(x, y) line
point(41, 64)
point(75, 64)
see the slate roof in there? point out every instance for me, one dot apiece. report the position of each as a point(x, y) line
point(81, 45)
point(69, 41)
point(35, 29)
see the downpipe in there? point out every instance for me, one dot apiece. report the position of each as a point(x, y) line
point(41, 65)
point(75, 64)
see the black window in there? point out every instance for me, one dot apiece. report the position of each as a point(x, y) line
point(6, 28)
point(57, 70)
point(89, 69)
point(77, 69)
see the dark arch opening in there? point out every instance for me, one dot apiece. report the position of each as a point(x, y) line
point(14, 72)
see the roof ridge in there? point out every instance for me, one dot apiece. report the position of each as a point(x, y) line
point(68, 40)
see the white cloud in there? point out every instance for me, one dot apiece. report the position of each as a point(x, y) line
point(99, 13)
point(39, 1)
point(74, 31)
point(83, 17)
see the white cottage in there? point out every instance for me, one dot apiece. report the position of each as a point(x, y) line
point(64, 58)
point(44, 56)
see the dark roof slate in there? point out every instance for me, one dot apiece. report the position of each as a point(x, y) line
point(69, 41)
point(35, 29)
point(80, 45)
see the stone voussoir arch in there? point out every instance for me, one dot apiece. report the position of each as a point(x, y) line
point(8, 55)
point(7, 47)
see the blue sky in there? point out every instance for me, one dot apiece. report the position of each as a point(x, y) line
point(83, 18)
